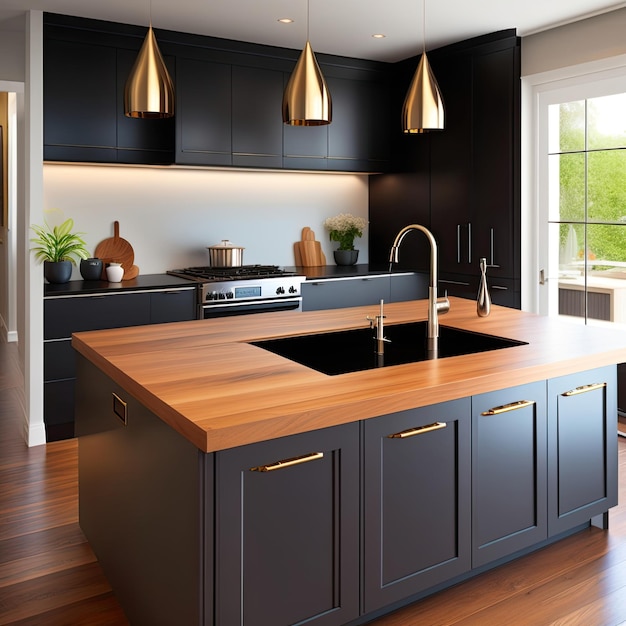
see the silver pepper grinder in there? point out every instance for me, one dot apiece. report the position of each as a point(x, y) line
point(483, 302)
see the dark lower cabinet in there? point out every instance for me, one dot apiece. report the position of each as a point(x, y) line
point(509, 471)
point(416, 499)
point(287, 534)
point(69, 314)
point(582, 447)
point(361, 291)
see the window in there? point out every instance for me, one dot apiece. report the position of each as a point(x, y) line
point(587, 204)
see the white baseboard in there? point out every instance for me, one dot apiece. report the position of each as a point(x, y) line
point(34, 434)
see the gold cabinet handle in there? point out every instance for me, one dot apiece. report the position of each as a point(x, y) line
point(298, 460)
point(584, 389)
point(120, 408)
point(420, 430)
point(505, 408)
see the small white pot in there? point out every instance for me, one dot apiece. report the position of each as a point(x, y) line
point(115, 272)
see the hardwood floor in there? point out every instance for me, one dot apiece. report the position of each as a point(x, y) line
point(50, 576)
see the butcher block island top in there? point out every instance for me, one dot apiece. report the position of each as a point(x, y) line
point(207, 382)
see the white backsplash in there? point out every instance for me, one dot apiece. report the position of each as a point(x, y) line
point(169, 215)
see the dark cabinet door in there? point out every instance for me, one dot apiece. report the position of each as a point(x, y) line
point(288, 521)
point(496, 160)
point(337, 294)
point(80, 90)
point(64, 316)
point(509, 473)
point(141, 140)
point(416, 500)
point(203, 112)
point(177, 305)
point(451, 168)
point(257, 118)
point(358, 137)
point(582, 447)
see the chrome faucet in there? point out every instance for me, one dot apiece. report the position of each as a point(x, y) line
point(435, 306)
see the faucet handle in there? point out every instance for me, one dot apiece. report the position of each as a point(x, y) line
point(443, 304)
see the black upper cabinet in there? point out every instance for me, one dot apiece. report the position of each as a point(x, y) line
point(80, 120)
point(228, 103)
point(203, 112)
point(257, 119)
point(85, 70)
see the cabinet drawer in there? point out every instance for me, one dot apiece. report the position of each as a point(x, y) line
point(176, 305)
point(336, 294)
point(59, 360)
point(64, 316)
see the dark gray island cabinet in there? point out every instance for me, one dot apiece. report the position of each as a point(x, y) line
point(334, 525)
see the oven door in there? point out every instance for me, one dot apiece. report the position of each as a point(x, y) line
point(208, 311)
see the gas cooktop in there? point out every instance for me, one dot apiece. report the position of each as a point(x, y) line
point(244, 272)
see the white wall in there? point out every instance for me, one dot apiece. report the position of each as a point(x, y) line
point(170, 215)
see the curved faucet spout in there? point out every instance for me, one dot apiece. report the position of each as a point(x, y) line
point(435, 306)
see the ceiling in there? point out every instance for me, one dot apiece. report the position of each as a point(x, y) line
point(342, 27)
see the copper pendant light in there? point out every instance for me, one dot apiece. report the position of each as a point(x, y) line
point(149, 91)
point(306, 99)
point(423, 108)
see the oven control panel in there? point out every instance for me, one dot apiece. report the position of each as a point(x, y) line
point(248, 290)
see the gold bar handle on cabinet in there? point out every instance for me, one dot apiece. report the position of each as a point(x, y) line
point(505, 408)
point(298, 460)
point(584, 389)
point(420, 430)
point(120, 408)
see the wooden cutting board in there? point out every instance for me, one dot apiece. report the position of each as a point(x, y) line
point(308, 251)
point(117, 250)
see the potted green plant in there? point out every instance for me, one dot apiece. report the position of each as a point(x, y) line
point(58, 248)
point(343, 229)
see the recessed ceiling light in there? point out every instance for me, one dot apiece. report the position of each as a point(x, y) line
point(379, 36)
point(285, 20)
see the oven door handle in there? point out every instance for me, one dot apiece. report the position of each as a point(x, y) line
point(251, 306)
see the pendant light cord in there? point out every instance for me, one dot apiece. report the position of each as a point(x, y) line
point(307, 19)
point(424, 26)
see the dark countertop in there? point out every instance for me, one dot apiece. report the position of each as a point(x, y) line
point(145, 282)
point(344, 271)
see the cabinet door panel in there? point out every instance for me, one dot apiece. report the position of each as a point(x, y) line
point(178, 305)
point(58, 414)
point(64, 316)
point(336, 294)
point(582, 459)
point(359, 130)
point(85, 76)
point(291, 534)
point(58, 360)
point(451, 173)
point(496, 159)
point(203, 101)
point(257, 121)
point(417, 501)
point(509, 473)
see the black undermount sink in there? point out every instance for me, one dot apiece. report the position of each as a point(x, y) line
point(346, 351)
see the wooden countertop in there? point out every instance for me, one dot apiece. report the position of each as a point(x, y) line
point(208, 383)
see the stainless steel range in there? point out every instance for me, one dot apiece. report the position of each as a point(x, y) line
point(241, 290)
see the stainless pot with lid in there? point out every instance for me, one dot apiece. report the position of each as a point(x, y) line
point(225, 254)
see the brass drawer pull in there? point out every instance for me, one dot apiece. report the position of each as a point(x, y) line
point(505, 408)
point(298, 460)
point(120, 408)
point(584, 389)
point(420, 430)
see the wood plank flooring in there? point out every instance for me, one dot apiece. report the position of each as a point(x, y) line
point(49, 575)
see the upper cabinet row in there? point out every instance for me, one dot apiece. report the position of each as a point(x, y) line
point(228, 109)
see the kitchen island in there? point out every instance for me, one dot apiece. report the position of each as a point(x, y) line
point(223, 484)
